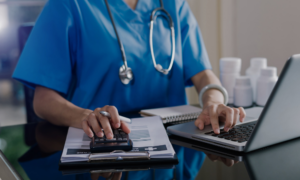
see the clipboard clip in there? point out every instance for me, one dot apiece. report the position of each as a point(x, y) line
point(119, 155)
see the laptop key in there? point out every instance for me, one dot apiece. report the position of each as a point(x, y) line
point(224, 132)
point(227, 135)
point(234, 139)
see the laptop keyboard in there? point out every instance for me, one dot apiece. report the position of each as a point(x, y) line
point(239, 133)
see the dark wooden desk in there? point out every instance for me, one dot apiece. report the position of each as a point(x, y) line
point(34, 151)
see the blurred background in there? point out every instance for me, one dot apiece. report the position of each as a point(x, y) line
point(231, 28)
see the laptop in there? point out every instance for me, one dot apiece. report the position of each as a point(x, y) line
point(278, 122)
point(6, 169)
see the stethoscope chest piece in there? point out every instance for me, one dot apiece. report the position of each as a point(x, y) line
point(125, 74)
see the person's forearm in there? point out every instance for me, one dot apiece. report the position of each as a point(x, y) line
point(51, 106)
point(211, 96)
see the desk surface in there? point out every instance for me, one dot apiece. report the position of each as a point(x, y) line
point(34, 151)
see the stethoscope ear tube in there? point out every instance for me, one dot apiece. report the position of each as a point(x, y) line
point(153, 17)
point(168, 17)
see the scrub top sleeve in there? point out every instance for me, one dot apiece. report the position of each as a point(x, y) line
point(47, 56)
point(195, 58)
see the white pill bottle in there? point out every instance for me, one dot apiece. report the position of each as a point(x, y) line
point(265, 84)
point(230, 68)
point(256, 64)
point(243, 92)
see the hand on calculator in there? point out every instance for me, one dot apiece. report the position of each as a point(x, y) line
point(120, 141)
point(102, 125)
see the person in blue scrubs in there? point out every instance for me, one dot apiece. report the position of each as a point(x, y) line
point(72, 60)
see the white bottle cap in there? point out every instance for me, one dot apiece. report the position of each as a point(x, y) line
point(230, 64)
point(242, 81)
point(258, 62)
point(269, 72)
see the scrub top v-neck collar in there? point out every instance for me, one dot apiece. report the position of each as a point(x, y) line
point(140, 14)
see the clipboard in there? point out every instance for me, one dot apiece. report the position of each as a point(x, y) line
point(114, 168)
point(119, 157)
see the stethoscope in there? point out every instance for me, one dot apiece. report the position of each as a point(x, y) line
point(125, 72)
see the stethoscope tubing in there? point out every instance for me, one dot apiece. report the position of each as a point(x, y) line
point(125, 73)
point(117, 34)
point(152, 19)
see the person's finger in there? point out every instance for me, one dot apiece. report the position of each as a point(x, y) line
point(213, 115)
point(199, 123)
point(212, 157)
point(106, 175)
point(242, 114)
point(95, 176)
point(117, 176)
point(229, 116)
point(236, 115)
point(223, 160)
point(229, 162)
point(115, 120)
point(86, 128)
point(94, 124)
point(104, 121)
point(124, 127)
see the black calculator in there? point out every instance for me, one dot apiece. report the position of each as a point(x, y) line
point(120, 141)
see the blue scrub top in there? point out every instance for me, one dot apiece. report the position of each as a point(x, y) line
point(74, 41)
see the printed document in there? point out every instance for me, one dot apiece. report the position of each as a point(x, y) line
point(147, 134)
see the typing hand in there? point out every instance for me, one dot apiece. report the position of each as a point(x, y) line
point(96, 122)
point(108, 175)
point(214, 113)
point(227, 162)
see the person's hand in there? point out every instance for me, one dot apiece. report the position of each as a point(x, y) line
point(96, 122)
point(227, 162)
point(214, 113)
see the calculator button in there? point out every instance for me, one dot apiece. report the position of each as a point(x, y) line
point(99, 139)
point(118, 137)
point(113, 139)
point(124, 137)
